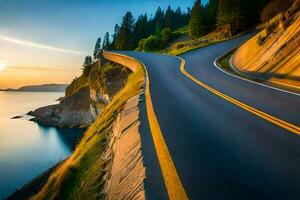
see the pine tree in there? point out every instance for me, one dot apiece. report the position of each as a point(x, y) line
point(166, 35)
point(158, 21)
point(141, 29)
point(169, 18)
point(210, 15)
point(115, 35)
point(178, 18)
point(106, 42)
point(97, 48)
point(230, 13)
point(124, 39)
point(87, 65)
point(196, 24)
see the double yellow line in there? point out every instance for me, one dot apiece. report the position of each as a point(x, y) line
point(172, 181)
point(281, 123)
point(171, 178)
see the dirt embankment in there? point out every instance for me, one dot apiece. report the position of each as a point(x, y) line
point(274, 55)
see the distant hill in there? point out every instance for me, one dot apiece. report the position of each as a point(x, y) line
point(41, 88)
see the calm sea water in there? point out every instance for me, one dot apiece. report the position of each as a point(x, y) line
point(27, 149)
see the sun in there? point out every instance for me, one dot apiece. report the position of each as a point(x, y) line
point(2, 66)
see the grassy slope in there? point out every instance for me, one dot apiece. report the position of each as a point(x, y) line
point(98, 77)
point(80, 176)
point(186, 44)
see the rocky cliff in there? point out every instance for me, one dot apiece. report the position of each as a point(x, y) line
point(85, 97)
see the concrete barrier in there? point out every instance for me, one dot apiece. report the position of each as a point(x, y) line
point(126, 61)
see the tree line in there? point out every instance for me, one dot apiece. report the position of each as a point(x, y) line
point(152, 33)
point(130, 32)
point(238, 14)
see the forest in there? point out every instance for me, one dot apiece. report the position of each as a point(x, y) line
point(154, 33)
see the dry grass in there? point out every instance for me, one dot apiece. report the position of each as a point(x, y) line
point(179, 48)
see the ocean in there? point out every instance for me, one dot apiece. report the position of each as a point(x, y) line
point(26, 148)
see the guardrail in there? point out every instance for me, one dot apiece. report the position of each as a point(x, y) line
point(126, 61)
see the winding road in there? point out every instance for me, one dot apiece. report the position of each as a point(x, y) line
point(228, 138)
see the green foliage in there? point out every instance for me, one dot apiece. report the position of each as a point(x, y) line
point(97, 48)
point(106, 42)
point(141, 45)
point(115, 36)
point(210, 11)
point(76, 84)
point(202, 19)
point(98, 78)
point(196, 24)
point(239, 14)
point(169, 18)
point(224, 62)
point(87, 65)
point(144, 27)
point(230, 13)
point(159, 22)
point(152, 43)
point(141, 28)
point(124, 40)
point(166, 35)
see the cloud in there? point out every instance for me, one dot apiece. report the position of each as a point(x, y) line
point(41, 46)
point(10, 67)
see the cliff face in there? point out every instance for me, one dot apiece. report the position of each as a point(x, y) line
point(85, 98)
point(107, 163)
point(274, 53)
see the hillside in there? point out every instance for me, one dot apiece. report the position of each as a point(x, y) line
point(102, 156)
point(85, 174)
point(274, 53)
point(41, 88)
point(85, 97)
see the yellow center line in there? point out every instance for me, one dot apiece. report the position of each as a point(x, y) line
point(281, 123)
point(172, 181)
point(171, 178)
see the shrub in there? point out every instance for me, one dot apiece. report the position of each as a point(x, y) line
point(141, 45)
point(166, 35)
point(152, 43)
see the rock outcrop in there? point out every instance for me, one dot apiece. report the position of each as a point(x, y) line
point(72, 111)
point(85, 97)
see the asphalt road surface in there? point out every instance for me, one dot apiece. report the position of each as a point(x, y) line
point(220, 150)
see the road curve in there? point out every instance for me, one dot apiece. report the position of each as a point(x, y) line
point(220, 150)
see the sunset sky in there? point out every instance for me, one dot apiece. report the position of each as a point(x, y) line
point(45, 41)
